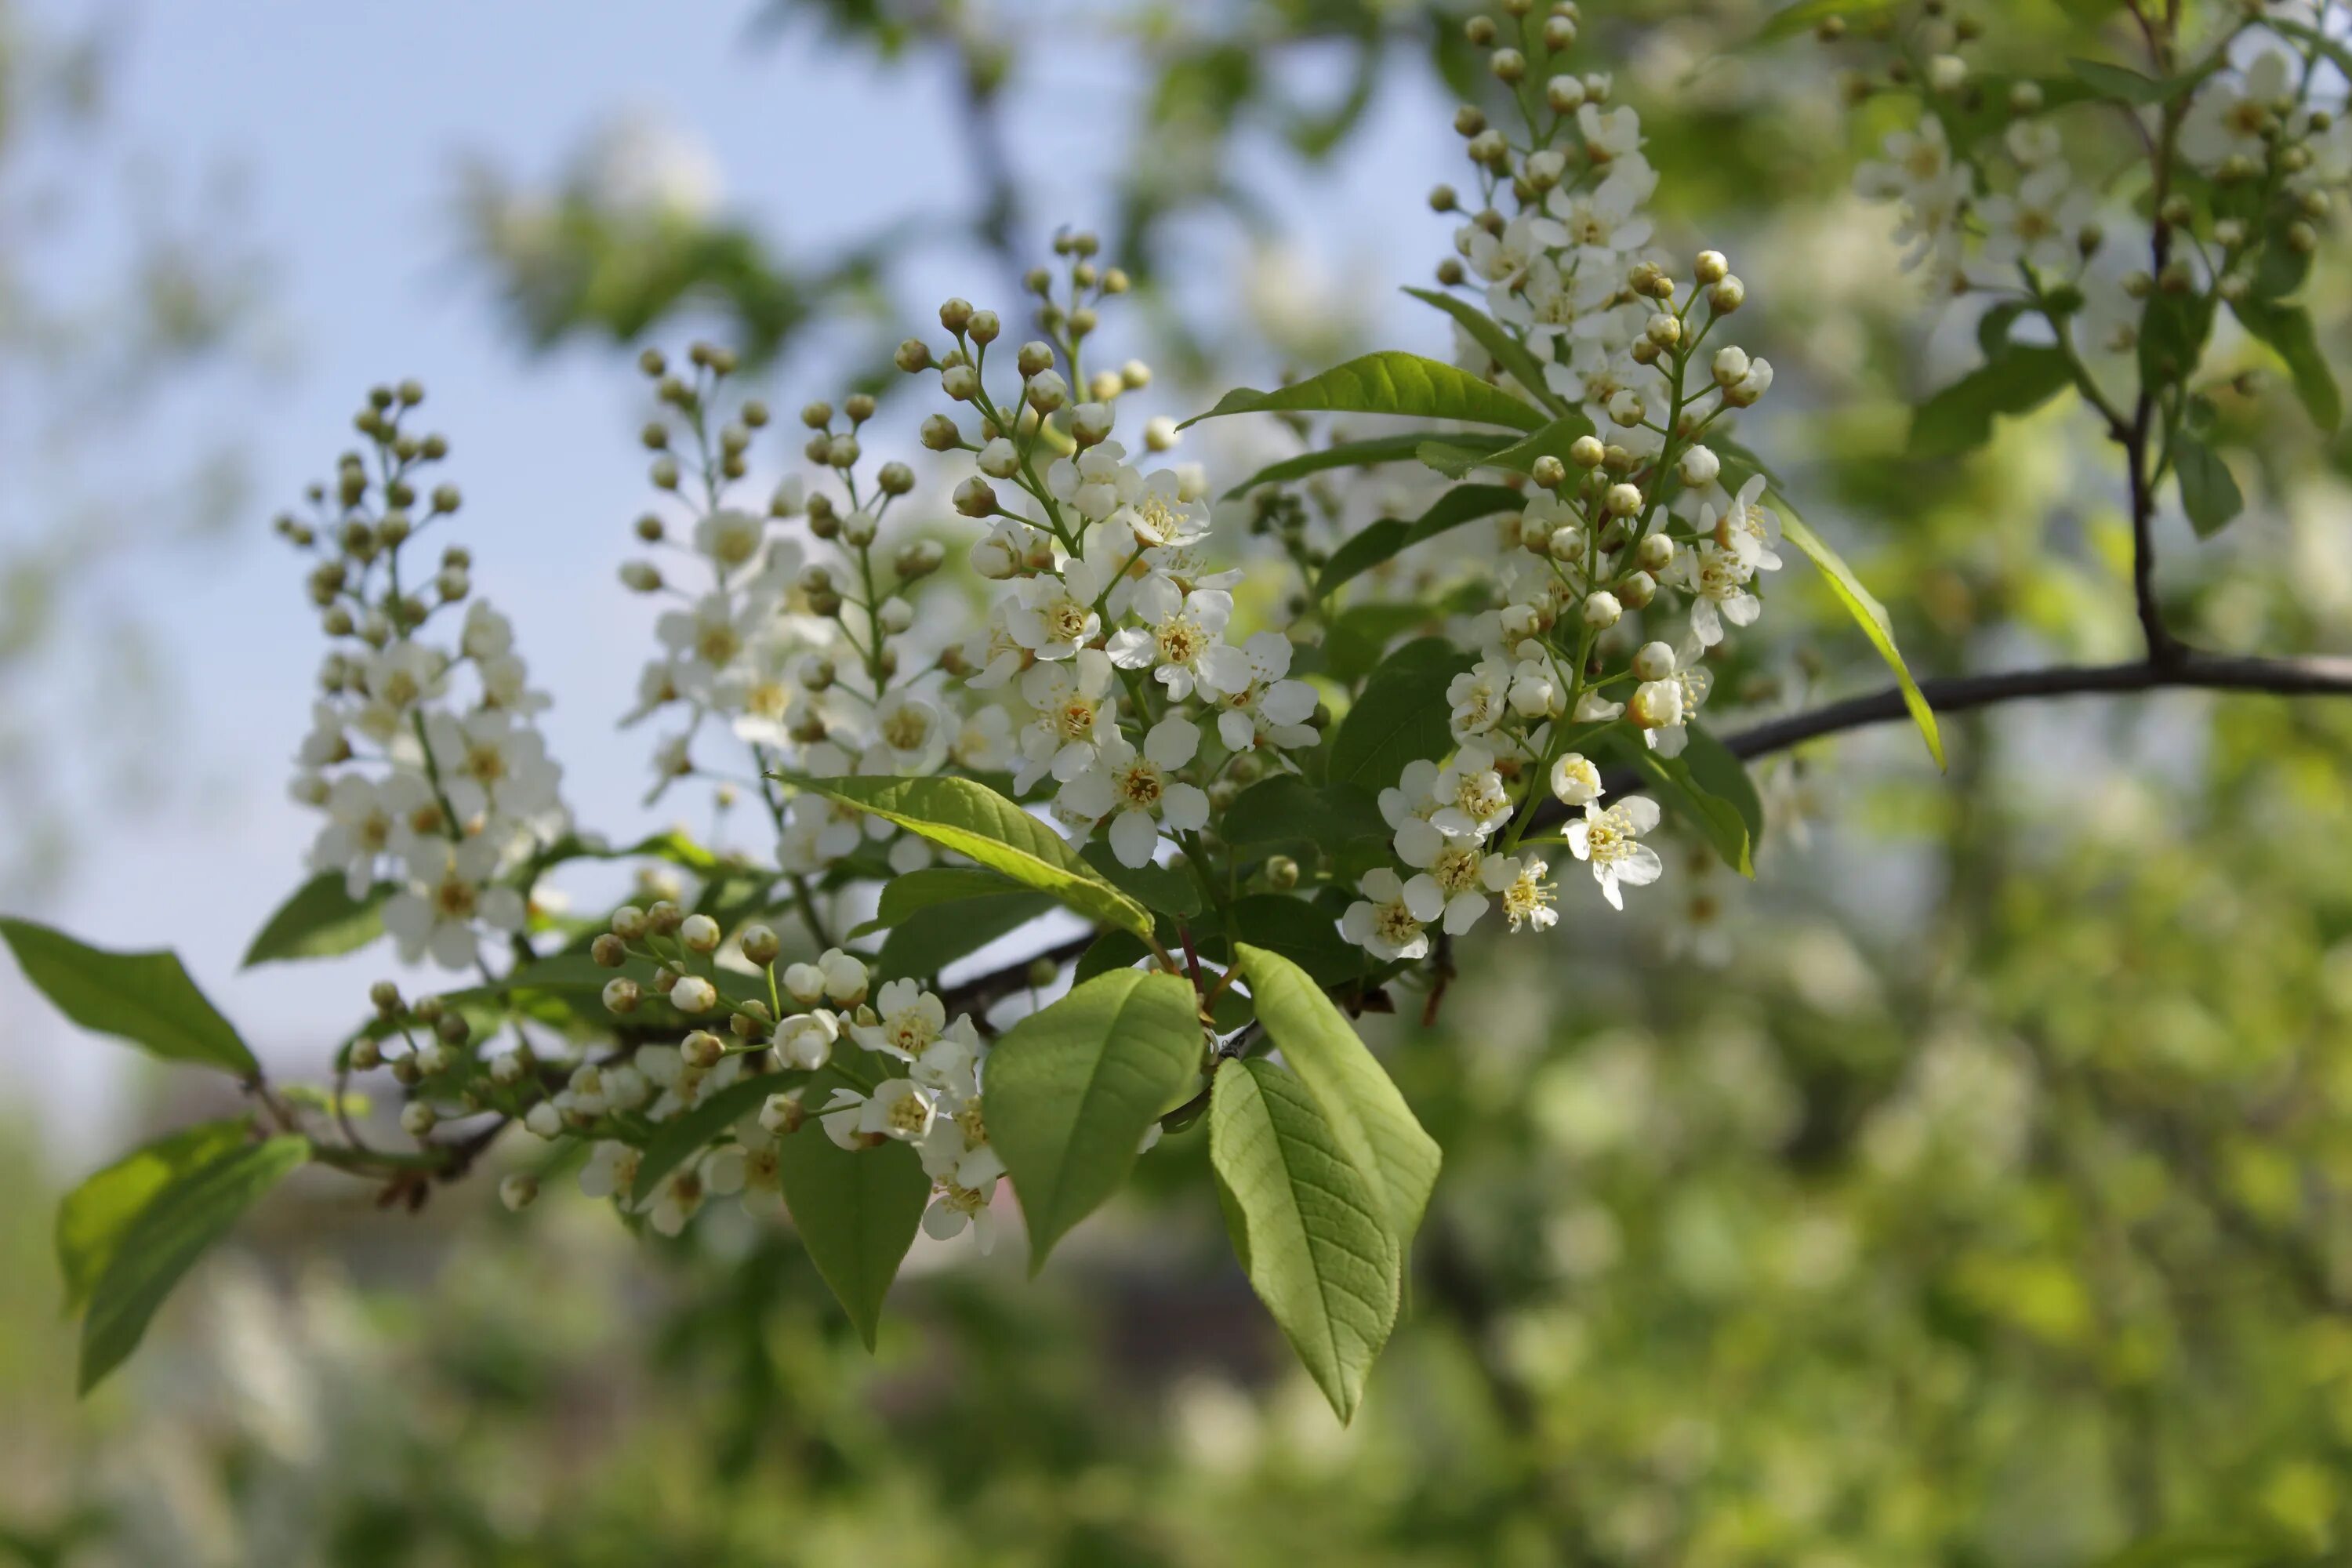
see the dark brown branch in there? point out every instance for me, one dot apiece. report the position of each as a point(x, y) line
point(1956, 694)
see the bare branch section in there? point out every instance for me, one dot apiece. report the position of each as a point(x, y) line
point(2187, 670)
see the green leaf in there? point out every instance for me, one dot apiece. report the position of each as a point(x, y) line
point(2208, 491)
point(1723, 775)
point(189, 1213)
point(2172, 333)
point(1806, 15)
point(857, 1210)
point(1361, 634)
point(685, 1134)
point(977, 822)
point(903, 896)
point(1992, 326)
point(1350, 454)
point(93, 1217)
point(1552, 441)
point(1868, 614)
point(1072, 1089)
point(319, 920)
point(1720, 821)
point(1496, 340)
point(1112, 951)
point(1358, 1098)
point(2123, 84)
point(1959, 418)
point(2287, 330)
point(1401, 717)
point(1388, 382)
point(1452, 455)
point(1306, 1224)
point(1170, 890)
point(146, 998)
point(1287, 809)
point(1305, 936)
point(929, 940)
point(1391, 536)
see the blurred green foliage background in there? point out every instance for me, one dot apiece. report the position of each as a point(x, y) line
point(1972, 1190)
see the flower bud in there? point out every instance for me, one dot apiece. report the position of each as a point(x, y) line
point(1656, 552)
point(621, 995)
point(760, 944)
point(1587, 452)
point(960, 382)
point(1034, 359)
point(518, 1190)
point(417, 1119)
point(1048, 391)
point(805, 983)
point(1699, 465)
point(663, 918)
point(699, 932)
point(956, 315)
point(1565, 542)
point(1638, 590)
point(1654, 661)
point(1727, 295)
point(1623, 500)
point(1548, 471)
point(702, 1049)
point(1565, 94)
point(983, 326)
point(1665, 330)
point(1602, 610)
point(782, 1115)
point(1574, 780)
point(1729, 365)
point(1656, 705)
point(918, 558)
point(844, 978)
point(692, 993)
point(974, 497)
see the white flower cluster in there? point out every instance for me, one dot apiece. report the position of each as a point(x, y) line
point(423, 754)
point(1105, 582)
point(2007, 214)
point(1574, 274)
point(807, 665)
point(1622, 534)
point(919, 1083)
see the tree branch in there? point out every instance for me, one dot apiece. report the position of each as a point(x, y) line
point(2188, 669)
point(2191, 671)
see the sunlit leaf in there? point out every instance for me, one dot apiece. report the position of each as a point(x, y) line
point(1305, 1224)
point(1868, 614)
point(146, 998)
point(1389, 381)
point(976, 822)
point(1073, 1088)
point(190, 1212)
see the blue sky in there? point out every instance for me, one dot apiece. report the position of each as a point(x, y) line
point(350, 122)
